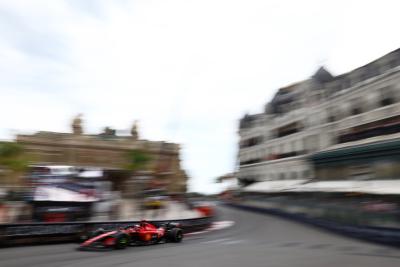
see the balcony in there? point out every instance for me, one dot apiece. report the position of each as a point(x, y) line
point(291, 116)
point(370, 116)
point(379, 128)
point(273, 157)
point(251, 142)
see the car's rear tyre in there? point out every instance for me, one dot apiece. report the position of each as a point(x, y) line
point(121, 241)
point(175, 235)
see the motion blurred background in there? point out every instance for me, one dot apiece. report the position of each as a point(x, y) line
point(134, 109)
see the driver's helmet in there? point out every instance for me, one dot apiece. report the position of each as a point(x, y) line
point(143, 223)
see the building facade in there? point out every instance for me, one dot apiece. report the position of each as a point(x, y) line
point(110, 153)
point(321, 113)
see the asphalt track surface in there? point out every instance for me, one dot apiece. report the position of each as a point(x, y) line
point(254, 240)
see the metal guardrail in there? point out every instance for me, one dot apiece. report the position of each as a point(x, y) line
point(384, 235)
point(34, 233)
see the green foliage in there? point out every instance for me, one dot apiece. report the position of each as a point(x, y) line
point(12, 157)
point(138, 160)
point(8, 149)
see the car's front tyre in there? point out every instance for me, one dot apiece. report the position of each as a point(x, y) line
point(175, 235)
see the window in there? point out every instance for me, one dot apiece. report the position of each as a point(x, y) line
point(331, 115)
point(345, 84)
point(387, 96)
point(356, 107)
point(355, 110)
point(394, 63)
point(288, 129)
point(253, 141)
point(372, 71)
point(363, 75)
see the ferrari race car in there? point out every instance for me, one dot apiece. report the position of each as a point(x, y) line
point(144, 233)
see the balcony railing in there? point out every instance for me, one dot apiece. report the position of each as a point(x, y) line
point(378, 131)
point(272, 157)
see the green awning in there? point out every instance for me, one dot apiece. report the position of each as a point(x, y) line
point(359, 153)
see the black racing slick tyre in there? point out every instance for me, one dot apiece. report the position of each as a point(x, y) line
point(175, 235)
point(121, 241)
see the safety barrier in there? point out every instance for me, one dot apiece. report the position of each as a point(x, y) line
point(384, 235)
point(36, 233)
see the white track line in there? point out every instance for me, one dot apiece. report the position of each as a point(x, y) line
point(214, 226)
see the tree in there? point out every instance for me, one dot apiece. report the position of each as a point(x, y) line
point(137, 160)
point(13, 160)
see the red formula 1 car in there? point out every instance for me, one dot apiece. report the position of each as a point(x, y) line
point(139, 234)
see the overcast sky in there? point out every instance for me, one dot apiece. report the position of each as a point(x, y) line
point(187, 70)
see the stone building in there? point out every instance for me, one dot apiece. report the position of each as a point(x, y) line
point(307, 120)
point(110, 153)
